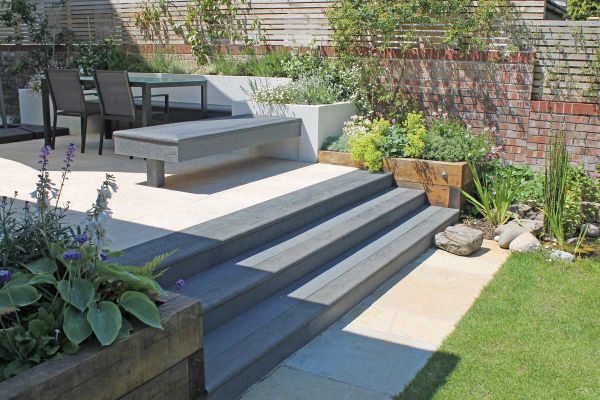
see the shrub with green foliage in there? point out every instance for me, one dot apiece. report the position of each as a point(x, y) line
point(107, 55)
point(270, 64)
point(337, 143)
point(366, 139)
point(583, 9)
point(450, 140)
point(415, 134)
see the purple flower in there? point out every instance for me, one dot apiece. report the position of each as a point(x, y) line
point(81, 239)
point(5, 275)
point(179, 284)
point(72, 255)
point(44, 153)
point(103, 257)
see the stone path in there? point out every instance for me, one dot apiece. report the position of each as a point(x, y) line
point(376, 349)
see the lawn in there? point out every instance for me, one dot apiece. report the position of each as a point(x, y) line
point(534, 333)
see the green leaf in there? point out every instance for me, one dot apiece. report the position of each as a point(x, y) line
point(144, 309)
point(105, 320)
point(56, 250)
point(70, 347)
point(38, 328)
point(126, 329)
point(42, 279)
point(79, 294)
point(42, 266)
point(76, 326)
point(18, 296)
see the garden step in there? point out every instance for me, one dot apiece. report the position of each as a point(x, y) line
point(208, 244)
point(241, 351)
point(238, 284)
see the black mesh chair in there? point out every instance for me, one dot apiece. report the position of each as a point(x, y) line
point(68, 98)
point(117, 101)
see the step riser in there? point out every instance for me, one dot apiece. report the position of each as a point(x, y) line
point(215, 255)
point(258, 369)
point(223, 313)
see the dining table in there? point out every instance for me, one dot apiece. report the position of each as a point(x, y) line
point(145, 83)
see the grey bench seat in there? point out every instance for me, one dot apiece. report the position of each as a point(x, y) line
point(189, 140)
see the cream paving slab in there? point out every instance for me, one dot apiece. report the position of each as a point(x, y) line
point(382, 343)
point(195, 191)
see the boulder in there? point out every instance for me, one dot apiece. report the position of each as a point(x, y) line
point(460, 240)
point(509, 234)
point(593, 230)
point(530, 225)
point(590, 211)
point(520, 210)
point(524, 243)
point(562, 255)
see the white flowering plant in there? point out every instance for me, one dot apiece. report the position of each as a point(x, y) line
point(63, 287)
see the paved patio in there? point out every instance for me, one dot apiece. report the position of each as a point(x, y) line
point(377, 348)
point(195, 191)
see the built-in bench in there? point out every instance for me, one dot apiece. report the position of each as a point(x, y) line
point(189, 140)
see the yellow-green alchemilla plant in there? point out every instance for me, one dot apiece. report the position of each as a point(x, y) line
point(59, 285)
point(366, 140)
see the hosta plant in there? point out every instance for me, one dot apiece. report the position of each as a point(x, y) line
point(62, 287)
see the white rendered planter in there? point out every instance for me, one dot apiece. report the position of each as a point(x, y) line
point(30, 109)
point(318, 123)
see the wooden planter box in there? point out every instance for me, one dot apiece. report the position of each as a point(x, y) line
point(149, 364)
point(442, 181)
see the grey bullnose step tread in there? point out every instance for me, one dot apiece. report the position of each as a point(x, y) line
point(241, 351)
point(236, 285)
point(205, 245)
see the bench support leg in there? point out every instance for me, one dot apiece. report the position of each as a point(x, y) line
point(155, 169)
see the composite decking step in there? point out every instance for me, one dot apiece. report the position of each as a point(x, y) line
point(240, 352)
point(230, 288)
point(208, 244)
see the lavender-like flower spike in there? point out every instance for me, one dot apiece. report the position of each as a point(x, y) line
point(179, 284)
point(44, 153)
point(81, 239)
point(5, 275)
point(72, 255)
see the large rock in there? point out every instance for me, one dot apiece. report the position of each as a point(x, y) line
point(562, 255)
point(520, 210)
point(460, 240)
point(509, 234)
point(524, 243)
point(591, 211)
point(530, 225)
point(593, 230)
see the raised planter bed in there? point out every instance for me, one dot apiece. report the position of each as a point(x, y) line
point(149, 364)
point(318, 122)
point(442, 181)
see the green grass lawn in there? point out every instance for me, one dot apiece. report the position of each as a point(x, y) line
point(534, 333)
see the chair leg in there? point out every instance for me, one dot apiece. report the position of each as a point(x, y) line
point(105, 130)
point(109, 131)
point(54, 122)
point(83, 132)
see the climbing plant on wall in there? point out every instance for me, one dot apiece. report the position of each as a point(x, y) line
point(204, 25)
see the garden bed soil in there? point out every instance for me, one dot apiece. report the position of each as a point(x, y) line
point(442, 181)
point(480, 224)
point(150, 363)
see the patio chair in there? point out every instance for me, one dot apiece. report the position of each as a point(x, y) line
point(117, 101)
point(69, 99)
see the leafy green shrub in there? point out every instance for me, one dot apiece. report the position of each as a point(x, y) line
point(415, 133)
point(59, 288)
point(106, 55)
point(450, 140)
point(165, 63)
point(366, 139)
point(271, 64)
point(337, 143)
point(583, 9)
point(395, 142)
point(309, 90)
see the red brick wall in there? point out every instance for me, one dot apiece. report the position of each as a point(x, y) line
point(486, 91)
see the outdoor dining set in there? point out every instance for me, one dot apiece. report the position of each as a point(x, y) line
point(109, 94)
